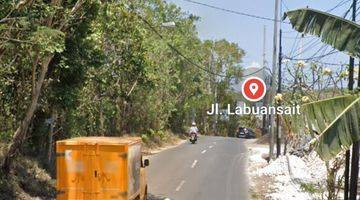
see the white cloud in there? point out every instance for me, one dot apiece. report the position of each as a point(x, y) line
point(254, 64)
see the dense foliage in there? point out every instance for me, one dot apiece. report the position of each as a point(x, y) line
point(87, 67)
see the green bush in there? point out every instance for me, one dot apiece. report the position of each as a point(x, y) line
point(310, 188)
point(145, 138)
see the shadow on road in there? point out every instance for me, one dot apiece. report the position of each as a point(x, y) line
point(156, 197)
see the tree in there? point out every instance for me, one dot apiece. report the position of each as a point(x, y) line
point(44, 34)
point(101, 68)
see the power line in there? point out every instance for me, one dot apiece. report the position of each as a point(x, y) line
point(286, 7)
point(328, 63)
point(234, 12)
point(320, 62)
point(348, 11)
point(178, 52)
point(253, 73)
point(175, 49)
point(294, 44)
point(338, 5)
point(314, 57)
point(309, 45)
point(324, 47)
point(357, 11)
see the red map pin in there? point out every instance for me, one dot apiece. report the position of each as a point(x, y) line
point(253, 89)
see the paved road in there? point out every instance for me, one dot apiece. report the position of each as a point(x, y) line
point(212, 169)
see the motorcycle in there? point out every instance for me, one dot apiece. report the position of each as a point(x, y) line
point(193, 138)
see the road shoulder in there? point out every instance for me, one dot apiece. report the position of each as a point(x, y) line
point(289, 177)
point(147, 151)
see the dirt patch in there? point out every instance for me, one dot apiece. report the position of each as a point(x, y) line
point(260, 187)
point(263, 139)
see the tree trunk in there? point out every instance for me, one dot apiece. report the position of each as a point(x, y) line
point(20, 133)
point(51, 133)
point(330, 182)
point(204, 121)
point(101, 118)
point(285, 144)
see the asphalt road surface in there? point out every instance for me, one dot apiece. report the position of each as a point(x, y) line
point(215, 168)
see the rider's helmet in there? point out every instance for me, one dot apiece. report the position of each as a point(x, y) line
point(193, 124)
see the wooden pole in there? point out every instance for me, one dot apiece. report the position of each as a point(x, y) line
point(355, 147)
point(273, 78)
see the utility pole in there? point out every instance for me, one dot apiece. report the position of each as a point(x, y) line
point(273, 78)
point(215, 90)
point(355, 146)
point(265, 101)
point(264, 48)
point(278, 123)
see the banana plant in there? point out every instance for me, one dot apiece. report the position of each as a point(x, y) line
point(335, 122)
point(342, 34)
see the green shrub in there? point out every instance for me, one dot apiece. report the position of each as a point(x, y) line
point(310, 188)
point(145, 138)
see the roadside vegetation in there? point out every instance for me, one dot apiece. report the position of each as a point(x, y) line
point(138, 68)
point(102, 68)
point(320, 140)
point(311, 82)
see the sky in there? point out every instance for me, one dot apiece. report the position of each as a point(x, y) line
point(248, 32)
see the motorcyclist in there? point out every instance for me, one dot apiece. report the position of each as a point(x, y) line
point(193, 129)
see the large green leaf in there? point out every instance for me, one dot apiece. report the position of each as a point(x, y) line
point(337, 122)
point(342, 34)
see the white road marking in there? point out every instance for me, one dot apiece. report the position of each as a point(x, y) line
point(194, 163)
point(211, 146)
point(203, 151)
point(180, 185)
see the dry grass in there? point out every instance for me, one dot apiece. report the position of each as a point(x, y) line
point(26, 181)
point(154, 146)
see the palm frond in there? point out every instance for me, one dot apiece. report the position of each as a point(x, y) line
point(342, 34)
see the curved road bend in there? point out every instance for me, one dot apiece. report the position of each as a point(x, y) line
point(215, 168)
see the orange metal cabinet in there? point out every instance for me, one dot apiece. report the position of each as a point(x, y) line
point(99, 168)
